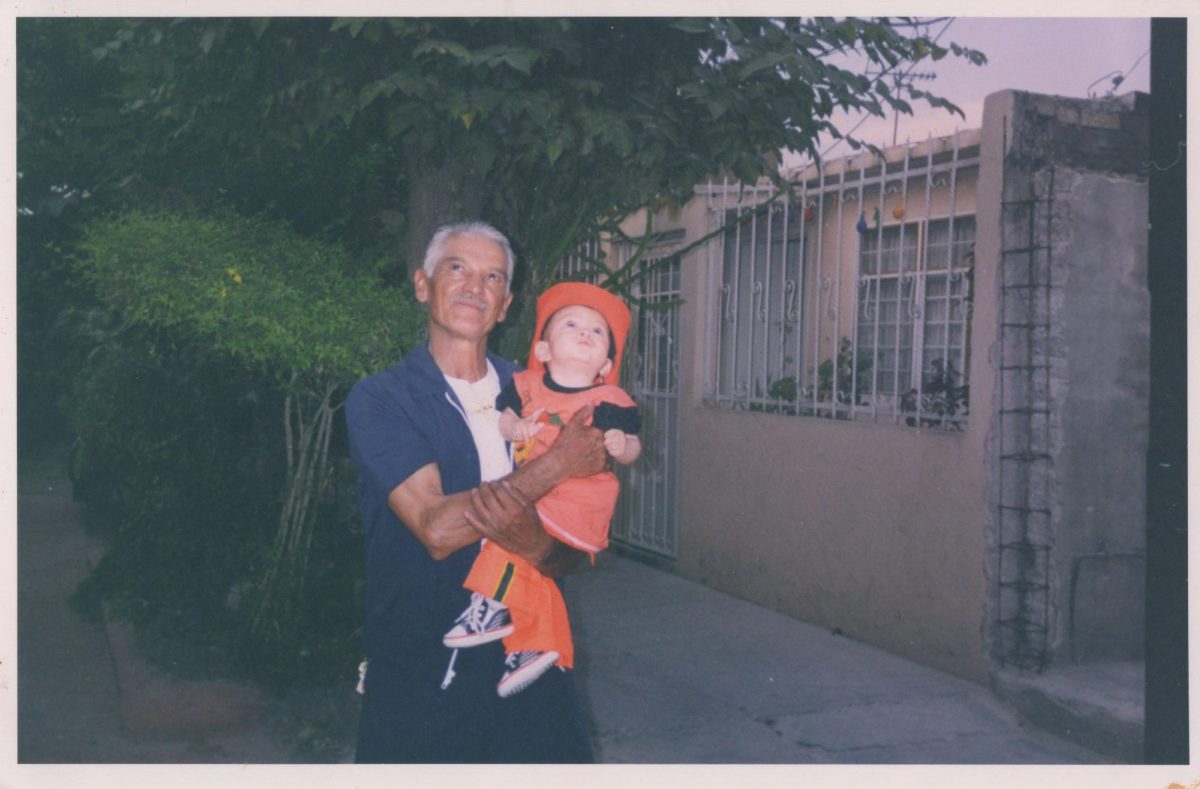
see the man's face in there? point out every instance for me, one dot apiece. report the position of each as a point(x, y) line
point(577, 336)
point(468, 292)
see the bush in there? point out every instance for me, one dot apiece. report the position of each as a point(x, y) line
point(175, 459)
point(205, 437)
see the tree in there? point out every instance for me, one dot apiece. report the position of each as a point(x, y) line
point(552, 128)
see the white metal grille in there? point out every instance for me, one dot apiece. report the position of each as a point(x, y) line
point(851, 299)
point(584, 264)
point(761, 298)
point(646, 516)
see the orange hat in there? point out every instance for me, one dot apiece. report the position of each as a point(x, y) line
point(608, 304)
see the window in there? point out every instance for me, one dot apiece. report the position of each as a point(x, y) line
point(761, 297)
point(848, 298)
point(914, 298)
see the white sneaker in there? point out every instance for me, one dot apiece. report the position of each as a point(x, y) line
point(483, 620)
point(523, 669)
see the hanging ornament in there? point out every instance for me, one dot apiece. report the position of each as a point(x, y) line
point(898, 211)
point(808, 213)
point(876, 217)
point(862, 223)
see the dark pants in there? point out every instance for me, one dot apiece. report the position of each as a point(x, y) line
point(408, 718)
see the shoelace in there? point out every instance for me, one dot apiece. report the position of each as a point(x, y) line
point(474, 619)
point(446, 680)
point(474, 612)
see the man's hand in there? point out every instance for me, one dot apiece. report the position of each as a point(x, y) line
point(579, 448)
point(501, 512)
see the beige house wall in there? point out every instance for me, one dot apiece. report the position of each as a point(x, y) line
point(876, 530)
point(892, 534)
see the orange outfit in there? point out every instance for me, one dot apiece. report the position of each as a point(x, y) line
point(578, 511)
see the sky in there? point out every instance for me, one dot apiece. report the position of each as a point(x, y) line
point(1074, 57)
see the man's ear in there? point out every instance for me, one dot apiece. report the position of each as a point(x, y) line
point(541, 351)
point(508, 297)
point(604, 371)
point(421, 285)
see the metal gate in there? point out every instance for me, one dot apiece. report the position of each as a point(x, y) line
point(647, 512)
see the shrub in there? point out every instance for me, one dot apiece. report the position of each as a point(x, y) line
point(206, 425)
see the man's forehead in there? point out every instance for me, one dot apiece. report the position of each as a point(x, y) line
point(473, 246)
point(498, 263)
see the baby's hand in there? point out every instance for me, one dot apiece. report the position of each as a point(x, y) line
point(614, 442)
point(526, 428)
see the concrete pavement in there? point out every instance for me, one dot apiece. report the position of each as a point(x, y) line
point(84, 695)
point(675, 672)
point(671, 671)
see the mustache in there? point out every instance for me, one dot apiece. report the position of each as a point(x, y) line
point(470, 301)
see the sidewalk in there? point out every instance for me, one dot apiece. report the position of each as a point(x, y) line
point(675, 672)
point(671, 672)
point(84, 695)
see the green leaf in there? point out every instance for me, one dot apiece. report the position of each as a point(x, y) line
point(354, 24)
point(555, 148)
point(444, 47)
point(692, 25)
point(765, 61)
point(521, 59)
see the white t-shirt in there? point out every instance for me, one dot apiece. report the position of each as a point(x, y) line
point(478, 399)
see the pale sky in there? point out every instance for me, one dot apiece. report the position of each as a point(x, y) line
point(1057, 56)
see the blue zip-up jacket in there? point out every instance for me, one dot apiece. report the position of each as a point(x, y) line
point(400, 420)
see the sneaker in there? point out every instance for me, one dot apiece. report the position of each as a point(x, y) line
point(523, 669)
point(483, 620)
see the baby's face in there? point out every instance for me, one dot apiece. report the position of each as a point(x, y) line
point(576, 336)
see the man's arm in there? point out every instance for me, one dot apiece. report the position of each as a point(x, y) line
point(506, 514)
point(432, 516)
point(520, 530)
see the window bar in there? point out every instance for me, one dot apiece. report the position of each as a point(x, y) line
point(837, 257)
point(896, 405)
point(951, 267)
point(764, 308)
point(755, 292)
point(660, 489)
point(723, 302)
point(916, 263)
point(878, 296)
point(834, 308)
point(712, 330)
point(783, 290)
point(735, 302)
point(929, 184)
point(799, 308)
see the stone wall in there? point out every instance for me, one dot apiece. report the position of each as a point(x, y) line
point(1071, 427)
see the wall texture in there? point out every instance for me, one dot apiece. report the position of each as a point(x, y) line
point(1080, 164)
point(890, 534)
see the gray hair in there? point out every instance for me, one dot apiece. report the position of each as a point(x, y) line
point(442, 236)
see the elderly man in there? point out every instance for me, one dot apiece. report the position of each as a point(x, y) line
point(435, 478)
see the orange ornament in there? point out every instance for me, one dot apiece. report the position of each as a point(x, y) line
point(898, 210)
